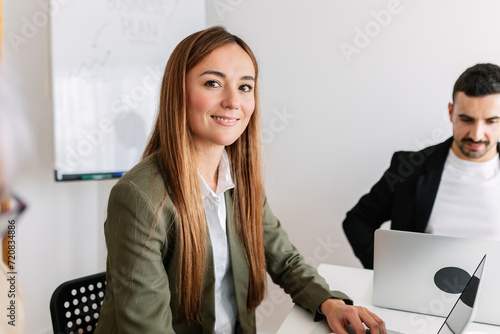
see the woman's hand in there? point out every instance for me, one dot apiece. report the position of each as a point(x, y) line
point(339, 316)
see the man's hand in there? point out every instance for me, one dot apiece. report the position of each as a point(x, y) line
point(339, 315)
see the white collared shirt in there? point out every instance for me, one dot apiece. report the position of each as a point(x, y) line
point(467, 201)
point(226, 310)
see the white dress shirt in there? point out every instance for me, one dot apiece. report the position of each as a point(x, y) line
point(468, 199)
point(226, 310)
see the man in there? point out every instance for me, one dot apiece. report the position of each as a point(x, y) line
point(452, 188)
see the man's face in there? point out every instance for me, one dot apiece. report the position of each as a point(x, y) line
point(476, 126)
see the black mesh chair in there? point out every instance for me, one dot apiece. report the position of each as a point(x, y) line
point(75, 304)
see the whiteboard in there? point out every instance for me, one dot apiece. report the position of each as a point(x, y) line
point(108, 58)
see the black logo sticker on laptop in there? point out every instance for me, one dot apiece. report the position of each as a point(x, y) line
point(451, 279)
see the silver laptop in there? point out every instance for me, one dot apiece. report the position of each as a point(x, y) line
point(457, 318)
point(424, 273)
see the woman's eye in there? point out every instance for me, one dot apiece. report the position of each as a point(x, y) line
point(246, 88)
point(212, 84)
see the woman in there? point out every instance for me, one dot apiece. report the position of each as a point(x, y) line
point(189, 232)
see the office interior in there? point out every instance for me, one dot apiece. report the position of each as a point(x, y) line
point(341, 89)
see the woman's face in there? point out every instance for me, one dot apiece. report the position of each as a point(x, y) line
point(220, 96)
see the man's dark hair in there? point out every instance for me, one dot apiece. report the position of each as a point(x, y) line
point(478, 80)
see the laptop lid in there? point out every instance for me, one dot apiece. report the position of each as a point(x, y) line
point(424, 273)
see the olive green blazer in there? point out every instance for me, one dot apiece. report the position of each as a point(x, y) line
point(142, 263)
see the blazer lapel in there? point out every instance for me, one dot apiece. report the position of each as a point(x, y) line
point(428, 184)
point(238, 262)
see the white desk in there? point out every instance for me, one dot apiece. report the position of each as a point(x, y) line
point(358, 284)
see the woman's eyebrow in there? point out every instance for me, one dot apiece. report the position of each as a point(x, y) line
point(217, 73)
point(247, 77)
point(222, 75)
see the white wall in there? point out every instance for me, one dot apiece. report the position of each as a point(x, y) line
point(331, 124)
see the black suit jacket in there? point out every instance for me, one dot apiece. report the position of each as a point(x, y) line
point(404, 195)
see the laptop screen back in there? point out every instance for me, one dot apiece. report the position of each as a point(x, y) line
point(407, 265)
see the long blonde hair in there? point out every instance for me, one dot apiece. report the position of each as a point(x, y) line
point(171, 139)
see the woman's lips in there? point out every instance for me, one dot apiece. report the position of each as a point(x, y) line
point(223, 120)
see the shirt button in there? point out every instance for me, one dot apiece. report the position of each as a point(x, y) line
point(220, 235)
point(220, 267)
point(217, 298)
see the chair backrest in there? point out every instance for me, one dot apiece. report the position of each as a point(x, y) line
point(75, 304)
